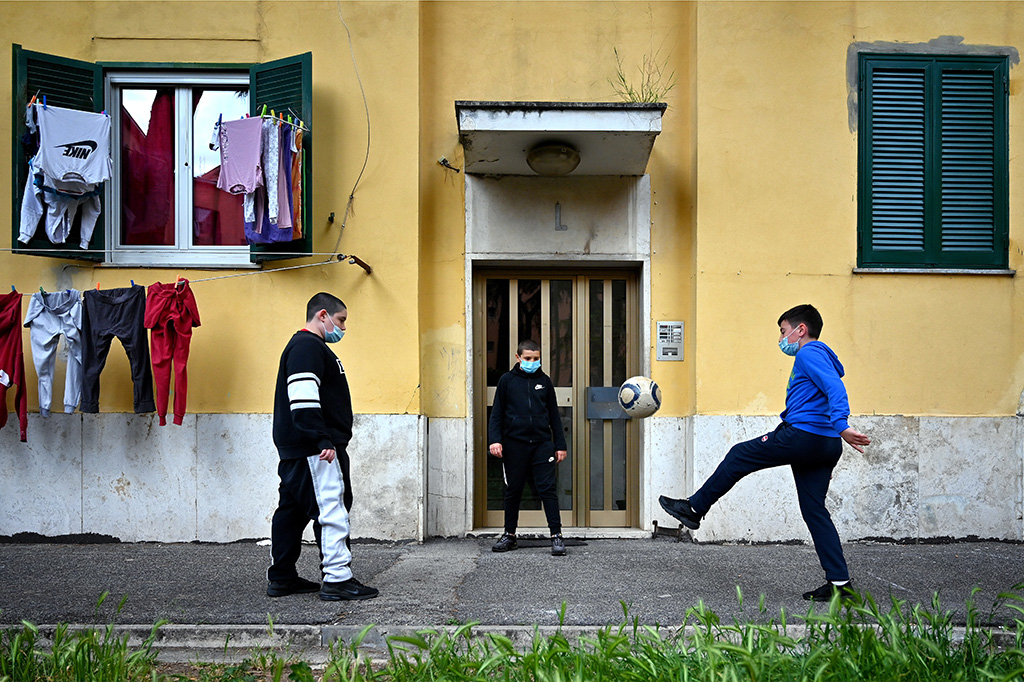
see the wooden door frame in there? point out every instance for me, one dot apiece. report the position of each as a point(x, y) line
point(580, 515)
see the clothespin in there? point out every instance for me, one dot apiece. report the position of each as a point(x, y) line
point(132, 281)
point(220, 119)
point(41, 290)
point(264, 112)
point(13, 289)
point(289, 119)
point(97, 286)
point(44, 101)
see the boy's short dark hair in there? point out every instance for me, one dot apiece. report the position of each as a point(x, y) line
point(805, 314)
point(324, 301)
point(527, 344)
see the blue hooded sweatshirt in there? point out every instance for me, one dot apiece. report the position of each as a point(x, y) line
point(816, 397)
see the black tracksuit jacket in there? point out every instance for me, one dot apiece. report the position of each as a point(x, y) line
point(525, 409)
point(312, 404)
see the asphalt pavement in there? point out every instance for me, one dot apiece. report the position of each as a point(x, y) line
point(213, 595)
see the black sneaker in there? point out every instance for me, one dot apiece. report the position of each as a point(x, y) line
point(681, 510)
point(282, 588)
point(351, 590)
point(505, 543)
point(557, 545)
point(828, 590)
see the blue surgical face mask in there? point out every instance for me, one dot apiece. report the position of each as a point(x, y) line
point(786, 346)
point(334, 335)
point(529, 366)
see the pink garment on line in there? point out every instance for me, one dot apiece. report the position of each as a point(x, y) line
point(240, 148)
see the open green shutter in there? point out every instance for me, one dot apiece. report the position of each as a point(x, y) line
point(972, 196)
point(67, 83)
point(286, 85)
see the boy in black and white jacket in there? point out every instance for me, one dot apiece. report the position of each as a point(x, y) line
point(312, 428)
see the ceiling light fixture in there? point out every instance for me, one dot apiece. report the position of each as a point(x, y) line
point(553, 159)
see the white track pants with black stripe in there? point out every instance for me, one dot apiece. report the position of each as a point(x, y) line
point(311, 489)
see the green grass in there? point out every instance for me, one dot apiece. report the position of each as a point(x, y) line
point(856, 640)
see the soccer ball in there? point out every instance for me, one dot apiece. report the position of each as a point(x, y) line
point(640, 397)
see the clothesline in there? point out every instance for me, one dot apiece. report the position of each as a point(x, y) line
point(337, 258)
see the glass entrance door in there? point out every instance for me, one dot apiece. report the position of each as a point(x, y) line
point(587, 327)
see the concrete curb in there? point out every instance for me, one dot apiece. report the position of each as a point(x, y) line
point(312, 643)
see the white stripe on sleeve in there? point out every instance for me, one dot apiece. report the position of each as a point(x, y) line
point(304, 390)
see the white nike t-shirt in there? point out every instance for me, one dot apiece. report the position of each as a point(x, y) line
point(74, 146)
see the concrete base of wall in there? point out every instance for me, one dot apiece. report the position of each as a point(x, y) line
point(923, 478)
point(212, 479)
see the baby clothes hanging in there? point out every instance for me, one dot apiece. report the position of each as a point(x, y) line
point(50, 315)
point(261, 157)
point(171, 312)
point(296, 136)
point(240, 147)
point(120, 313)
point(12, 361)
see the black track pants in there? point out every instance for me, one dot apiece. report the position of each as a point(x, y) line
point(534, 462)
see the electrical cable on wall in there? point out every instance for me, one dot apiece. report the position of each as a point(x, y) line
point(366, 108)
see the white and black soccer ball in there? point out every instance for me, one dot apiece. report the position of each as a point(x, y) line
point(640, 397)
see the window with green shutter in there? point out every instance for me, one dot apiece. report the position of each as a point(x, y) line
point(161, 207)
point(933, 162)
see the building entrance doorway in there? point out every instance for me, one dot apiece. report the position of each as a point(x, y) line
point(588, 329)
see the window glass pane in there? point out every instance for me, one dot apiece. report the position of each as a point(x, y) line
point(529, 310)
point(147, 166)
point(618, 332)
point(596, 332)
point(596, 465)
point(499, 356)
point(618, 472)
point(217, 215)
point(563, 475)
point(560, 349)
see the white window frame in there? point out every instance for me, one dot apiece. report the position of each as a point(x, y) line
point(183, 254)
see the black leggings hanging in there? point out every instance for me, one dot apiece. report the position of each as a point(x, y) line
point(120, 313)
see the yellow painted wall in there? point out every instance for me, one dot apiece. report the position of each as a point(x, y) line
point(777, 217)
point(546, 51)
point(753, 179)
point(247, 320)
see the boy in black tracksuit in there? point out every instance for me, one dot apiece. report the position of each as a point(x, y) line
point(312, 428)
point(525, 432)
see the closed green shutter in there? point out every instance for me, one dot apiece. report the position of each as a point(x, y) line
point(67, 83)
point(972, 197)
point(286, 86)
point(933, 162)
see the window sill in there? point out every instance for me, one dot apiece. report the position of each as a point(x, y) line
point(217, 258)
point(934, 271)
point(180, 266)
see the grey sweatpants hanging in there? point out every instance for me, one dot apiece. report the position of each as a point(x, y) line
point(50, 315)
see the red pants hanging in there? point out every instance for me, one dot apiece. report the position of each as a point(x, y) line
point(12, 360)
point(171, 312)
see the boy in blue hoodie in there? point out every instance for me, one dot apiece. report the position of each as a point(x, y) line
point(809, 440)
